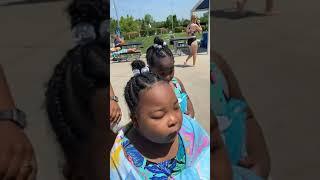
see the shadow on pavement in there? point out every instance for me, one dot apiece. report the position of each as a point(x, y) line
point(233, 15)
point(182, 66)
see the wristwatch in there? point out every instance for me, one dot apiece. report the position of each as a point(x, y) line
point(15, 115)
point(114, 98)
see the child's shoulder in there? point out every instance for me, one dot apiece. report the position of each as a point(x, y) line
point(175, 79)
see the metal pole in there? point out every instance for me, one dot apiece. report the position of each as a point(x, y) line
point(114, 6)
point(172, 16)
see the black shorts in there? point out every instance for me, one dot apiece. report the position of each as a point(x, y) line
point(190, 41)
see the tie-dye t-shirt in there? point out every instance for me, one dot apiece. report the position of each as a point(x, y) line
point(231, 116)
point(192, 160)
point(181, 96)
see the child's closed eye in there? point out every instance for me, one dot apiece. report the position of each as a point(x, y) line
point(157, 115)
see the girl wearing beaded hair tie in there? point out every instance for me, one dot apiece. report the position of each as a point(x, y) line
point(161, 62)
point(159, 142)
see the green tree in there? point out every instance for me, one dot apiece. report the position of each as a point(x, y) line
point(113, 25)
point(148, 19)
point(205, 18)
point(129, 24)
point(175, 21)
point(168, 22)
point(185, 22)
point(171, 21)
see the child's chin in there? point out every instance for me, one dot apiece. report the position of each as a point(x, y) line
point(168, 140)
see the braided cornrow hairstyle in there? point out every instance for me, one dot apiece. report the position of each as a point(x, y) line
point(138, 83)
point(73, 83)
point(157, 51)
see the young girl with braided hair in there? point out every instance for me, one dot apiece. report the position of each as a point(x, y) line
point(161, 62)
point(160, 142)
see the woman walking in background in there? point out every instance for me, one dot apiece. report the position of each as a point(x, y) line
point(191, 30)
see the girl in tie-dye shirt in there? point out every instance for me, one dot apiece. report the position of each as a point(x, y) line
point(160, 142)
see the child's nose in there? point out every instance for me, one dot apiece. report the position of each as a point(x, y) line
point(172, 121)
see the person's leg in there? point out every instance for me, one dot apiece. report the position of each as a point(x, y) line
point(190, 55)
point(269, 8)
point(269, 5)
point(194, 47)
point(240, 6)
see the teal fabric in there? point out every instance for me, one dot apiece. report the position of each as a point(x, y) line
point(230, 113)
point(181, 96)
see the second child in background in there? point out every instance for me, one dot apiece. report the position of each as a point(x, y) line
point(161, 62)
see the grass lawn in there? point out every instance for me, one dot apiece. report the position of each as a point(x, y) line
point(148, 41)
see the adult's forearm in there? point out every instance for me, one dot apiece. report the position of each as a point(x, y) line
point(111, 91)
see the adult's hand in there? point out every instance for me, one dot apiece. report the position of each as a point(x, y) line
point(115, 112)
point(17, 159)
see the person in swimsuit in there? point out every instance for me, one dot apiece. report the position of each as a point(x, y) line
point(191, 30)
point(116, 51)
point(118, 42)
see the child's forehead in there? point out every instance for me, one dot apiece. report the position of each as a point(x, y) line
point(155, 90)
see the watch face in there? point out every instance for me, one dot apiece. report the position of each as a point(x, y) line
point(115, 98)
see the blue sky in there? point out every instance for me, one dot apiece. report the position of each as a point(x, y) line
point(159, 9)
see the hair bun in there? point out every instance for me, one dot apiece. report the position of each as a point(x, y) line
point(157, 40)
point(138, 64)
point(145, 70)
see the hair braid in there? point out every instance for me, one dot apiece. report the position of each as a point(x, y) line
point(157, 51)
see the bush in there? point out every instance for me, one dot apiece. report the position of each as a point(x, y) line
point(162, 31)
point(131, 35)
point(152, 31)
point(143, 33)
point(205, 27)
point(179, 29)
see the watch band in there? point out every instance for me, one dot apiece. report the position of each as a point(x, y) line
point(15, 115)
point(114, 98)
